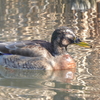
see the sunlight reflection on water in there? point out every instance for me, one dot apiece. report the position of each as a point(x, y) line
point(32, 19)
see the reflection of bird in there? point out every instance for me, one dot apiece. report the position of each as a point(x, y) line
point(38, 54)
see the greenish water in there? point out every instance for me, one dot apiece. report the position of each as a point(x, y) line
point(37, 19)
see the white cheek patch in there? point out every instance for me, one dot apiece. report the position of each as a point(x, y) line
point(64, 42)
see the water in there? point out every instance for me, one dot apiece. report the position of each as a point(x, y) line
point(37, 19)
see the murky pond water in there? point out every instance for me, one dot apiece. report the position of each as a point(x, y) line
point(37, 19)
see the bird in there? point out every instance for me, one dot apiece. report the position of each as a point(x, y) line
point(40, 54)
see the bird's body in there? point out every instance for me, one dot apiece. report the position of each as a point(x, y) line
point(39, 54)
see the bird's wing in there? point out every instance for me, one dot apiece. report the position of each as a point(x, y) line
point(26, 48)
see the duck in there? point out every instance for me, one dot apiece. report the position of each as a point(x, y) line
point(40, 54)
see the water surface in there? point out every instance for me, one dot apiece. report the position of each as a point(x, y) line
point(37, 19)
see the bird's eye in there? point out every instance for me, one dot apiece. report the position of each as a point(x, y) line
point(77, 40)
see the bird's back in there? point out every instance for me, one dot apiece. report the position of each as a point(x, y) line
point(32, 48)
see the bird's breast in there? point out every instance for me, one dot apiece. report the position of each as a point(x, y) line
point(64, 62)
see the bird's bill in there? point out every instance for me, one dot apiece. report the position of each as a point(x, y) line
point(83, 44)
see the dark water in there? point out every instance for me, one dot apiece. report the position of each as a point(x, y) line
point(37, 19)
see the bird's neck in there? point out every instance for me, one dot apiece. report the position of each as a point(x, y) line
point(58, 50)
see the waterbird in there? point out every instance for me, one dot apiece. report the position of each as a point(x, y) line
point(40, 54)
